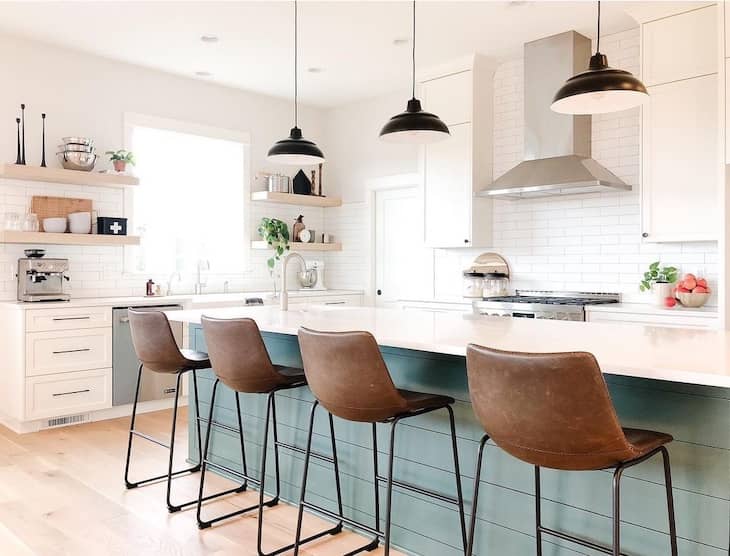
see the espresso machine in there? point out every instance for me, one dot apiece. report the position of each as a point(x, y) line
point(42, 279)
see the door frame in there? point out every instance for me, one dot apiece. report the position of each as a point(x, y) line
point(372, 187)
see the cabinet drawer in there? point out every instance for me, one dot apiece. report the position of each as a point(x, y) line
point(67, 393)
point(676, 320)
point(352, 300)
point(62, 318)
point(67, 350)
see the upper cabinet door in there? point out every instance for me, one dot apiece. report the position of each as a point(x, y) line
point(680, 161)
point(448, 189)
point(680, 46)
point(449, 97)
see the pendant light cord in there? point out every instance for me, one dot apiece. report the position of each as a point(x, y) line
point(413, 53)
point(296, 62)
point(598, 38)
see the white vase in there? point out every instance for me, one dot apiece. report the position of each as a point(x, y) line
point(661, 291)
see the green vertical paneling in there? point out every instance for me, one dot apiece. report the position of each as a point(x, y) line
point(698, 418)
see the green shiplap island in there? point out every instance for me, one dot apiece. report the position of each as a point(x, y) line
point(671, 380)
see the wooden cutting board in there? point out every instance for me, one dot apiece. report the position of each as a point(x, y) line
point(57, 207)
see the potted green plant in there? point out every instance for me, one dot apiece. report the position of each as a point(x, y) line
point(120, 159)
point(276, 234)
point(660, 281)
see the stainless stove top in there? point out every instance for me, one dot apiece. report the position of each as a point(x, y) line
point(543, 304)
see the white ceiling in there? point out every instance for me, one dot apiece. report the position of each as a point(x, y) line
point(351, 41)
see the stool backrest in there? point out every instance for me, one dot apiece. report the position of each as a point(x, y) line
point(548, 409)
point(154, 342)
point(238, 355)
point(348, 376)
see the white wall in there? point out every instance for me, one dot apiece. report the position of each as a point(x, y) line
point(588, 243)
point(87, 95)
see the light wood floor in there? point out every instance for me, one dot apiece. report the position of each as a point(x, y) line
point(62, 493)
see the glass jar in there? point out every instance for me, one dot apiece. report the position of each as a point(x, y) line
point(30, 223)
point(12, 221)
point(496, 284)
point(473, 284)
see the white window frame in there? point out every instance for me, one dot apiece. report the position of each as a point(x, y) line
point(132, 120)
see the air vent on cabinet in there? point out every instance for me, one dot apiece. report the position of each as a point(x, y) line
point(64, 421)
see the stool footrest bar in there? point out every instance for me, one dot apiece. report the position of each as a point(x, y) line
point(577, 540)
point(350, 522)
point(233, 472)
point(299, 450)
point(420, 490)
point(219, 425)
point(151, 439)
point(193, 469)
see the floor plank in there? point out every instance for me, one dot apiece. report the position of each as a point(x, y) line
point(62, 493)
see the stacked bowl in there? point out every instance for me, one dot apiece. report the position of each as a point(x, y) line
point(77, 153)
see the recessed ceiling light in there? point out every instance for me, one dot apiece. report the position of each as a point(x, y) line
point(315, 70)
point(203, 73)
point(209, 38)
point(401, 41)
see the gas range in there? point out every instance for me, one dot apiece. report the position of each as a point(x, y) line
point(543, 304)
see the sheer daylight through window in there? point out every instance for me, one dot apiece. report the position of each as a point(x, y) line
point(191, 207)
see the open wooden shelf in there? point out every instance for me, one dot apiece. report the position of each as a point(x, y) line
point(298, 246)
point(61, 175)
point(45, 238)
point(294, 199)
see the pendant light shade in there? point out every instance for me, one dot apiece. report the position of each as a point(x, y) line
point(414, 125)
point(599, 89)
point(295, 150)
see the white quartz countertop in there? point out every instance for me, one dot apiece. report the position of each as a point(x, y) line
point(685, 355)
point(173, 299)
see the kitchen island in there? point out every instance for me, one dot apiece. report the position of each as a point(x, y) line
point(672, 380)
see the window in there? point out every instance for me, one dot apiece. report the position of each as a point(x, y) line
point(191, 205)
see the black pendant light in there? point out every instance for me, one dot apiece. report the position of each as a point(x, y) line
point(414, 125)
point(295, 149)
point(600, 89)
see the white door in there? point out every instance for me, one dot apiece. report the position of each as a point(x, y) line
point(403, 265)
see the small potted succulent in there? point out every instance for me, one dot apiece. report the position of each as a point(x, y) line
point(120, 159)
point(660, 281)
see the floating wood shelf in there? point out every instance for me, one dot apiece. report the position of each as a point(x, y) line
point(61, 175)
point(294, 199)
point(297, 246)
point(45, 238)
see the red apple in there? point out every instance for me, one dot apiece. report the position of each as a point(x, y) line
point(700, 289)
point(682, 289)
point(689, 283)
point(669, 302)
point(702, 282)
point(690, 276)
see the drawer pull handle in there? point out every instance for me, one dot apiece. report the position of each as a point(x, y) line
point(70, 393)
point(334, 303)
point(71, 318)
point(71, 351)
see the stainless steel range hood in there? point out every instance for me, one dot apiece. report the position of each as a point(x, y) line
point(557, 147)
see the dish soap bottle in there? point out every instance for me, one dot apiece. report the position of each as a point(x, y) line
point(150, 288)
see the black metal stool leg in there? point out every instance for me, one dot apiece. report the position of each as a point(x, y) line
point(336, 465)
point(204, 457)
point(197, 415)
point(477, 478)
point(275, 435)
point(389, 489)
point(538, 512)
point(264, 450)
point(170, 507)
point(242, 441)
point(376, 483)
point(457, 474)
point(670, 500)
point(305, 473)
point(617, 510)
point(131, 431)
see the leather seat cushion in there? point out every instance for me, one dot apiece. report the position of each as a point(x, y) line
point(195, 359)
point(644, 441)
point(420, 400)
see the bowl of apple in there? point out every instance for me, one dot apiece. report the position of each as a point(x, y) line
point(692, 291)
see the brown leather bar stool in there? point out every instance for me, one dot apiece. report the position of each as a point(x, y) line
point(241, 362)
point(158, 352)
point(573, 428)
point(349, 378)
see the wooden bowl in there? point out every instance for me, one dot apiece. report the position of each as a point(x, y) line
point(693, 299)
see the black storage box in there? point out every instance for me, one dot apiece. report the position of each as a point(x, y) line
point(107, 225)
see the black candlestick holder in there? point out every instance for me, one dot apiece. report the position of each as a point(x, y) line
point(18, 158)
point(43, 151)
point(22, 130)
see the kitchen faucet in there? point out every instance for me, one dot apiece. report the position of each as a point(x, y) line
point(202, 265)
point(285, 262)
point(169, 282)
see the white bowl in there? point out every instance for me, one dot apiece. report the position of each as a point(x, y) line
point(54, 225)
point(693, 299)
point(79, 222)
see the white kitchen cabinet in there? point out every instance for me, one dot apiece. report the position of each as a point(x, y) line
point(67, 318)
point(461, 165)
point(449, 97)
point(67, 393)
point(680, 46)
point(67, 350)
point(679, 193)
point(335, 300)
point(671, 318)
